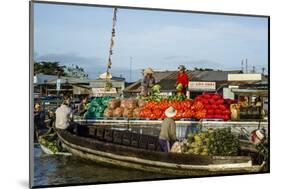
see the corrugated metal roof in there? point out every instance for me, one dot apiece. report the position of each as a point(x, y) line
point(167, 79)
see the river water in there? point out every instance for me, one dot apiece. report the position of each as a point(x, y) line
point(58, 170)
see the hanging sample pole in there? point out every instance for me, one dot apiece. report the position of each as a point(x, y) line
point(108, 76)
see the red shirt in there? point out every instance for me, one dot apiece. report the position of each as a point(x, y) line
point(183, 79)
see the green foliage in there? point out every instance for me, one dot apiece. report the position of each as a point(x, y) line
point(49, 68)
point(54, 68)
point(75, 71)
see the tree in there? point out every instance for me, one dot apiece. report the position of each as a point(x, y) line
point(75, 71)
point(49, 68)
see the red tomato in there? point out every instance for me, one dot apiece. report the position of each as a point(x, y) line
point(226, 117)
point(157, 112)
point(198, 105)
point(212, 101)
point(186, 104)
point(218, 111)
point(214, 107)
point(211, 111)
point(216, 97)
point(205, 101)
point(207, 96)
point(222, 107)
point(227, 112)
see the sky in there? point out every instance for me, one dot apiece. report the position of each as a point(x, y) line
point(80, 35)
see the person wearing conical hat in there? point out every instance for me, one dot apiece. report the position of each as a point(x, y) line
point(182, 80)
point(167, 134)
point(147, 82)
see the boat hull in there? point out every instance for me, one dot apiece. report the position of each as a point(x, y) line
point(237, 166)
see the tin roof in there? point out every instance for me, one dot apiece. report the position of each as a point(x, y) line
point(167, 79)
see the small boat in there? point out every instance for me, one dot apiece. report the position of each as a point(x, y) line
point(141, 152)
point(43, 144)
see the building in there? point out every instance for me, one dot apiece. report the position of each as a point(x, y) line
point(47, 85)
point(199, 81)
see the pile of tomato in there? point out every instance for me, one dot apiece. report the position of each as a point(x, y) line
point(207, 105)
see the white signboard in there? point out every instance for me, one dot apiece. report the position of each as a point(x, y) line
point(244, 77)
point(228, 94)
point(35, 79)
point(97, 91)
point(58, 84)
point(201, 86)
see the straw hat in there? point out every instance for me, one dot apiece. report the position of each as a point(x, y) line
point(37, 106)
point(170, 112)
point(148, 71)
point(181, 68)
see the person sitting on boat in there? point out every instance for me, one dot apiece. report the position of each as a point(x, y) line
point(147, 82)
point(63, 114)
point(82, 106)
point(39, 115)
point(168, 130)
point(182, 80)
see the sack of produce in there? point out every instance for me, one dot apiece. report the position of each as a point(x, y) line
point(118, 112)
point(114, 103)
point(141, 103)
point(128, 113)
point(136, 112)
point(124, 103)
point(176, 148)
point(108, 112)
point(130, 103)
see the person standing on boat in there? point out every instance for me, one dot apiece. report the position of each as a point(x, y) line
point(63, 114)
point(147, 82)
point(182, 80)
point(168, 130)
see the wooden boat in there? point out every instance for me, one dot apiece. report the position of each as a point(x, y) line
point(44, 148)
point(136, 151)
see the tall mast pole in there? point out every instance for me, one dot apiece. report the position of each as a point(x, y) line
point(109, 62)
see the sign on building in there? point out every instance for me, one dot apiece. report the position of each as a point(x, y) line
point(101, 91)
point(58, 84)
point(244, 77)
point(201, 86)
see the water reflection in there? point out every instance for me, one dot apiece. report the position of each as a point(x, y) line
point(54, 170)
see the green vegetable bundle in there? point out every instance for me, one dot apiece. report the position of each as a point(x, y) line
point(53, 146)
point(97, 107)
point(218, 142)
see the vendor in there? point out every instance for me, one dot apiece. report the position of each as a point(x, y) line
point(168, 130)
point(82, 106)
point(63, 114)
point(182, 81)
point(147, 82)
point(258, 102)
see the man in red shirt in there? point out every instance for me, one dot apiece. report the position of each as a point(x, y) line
point(182, 79)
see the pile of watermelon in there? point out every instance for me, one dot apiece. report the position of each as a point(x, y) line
point(216, 106)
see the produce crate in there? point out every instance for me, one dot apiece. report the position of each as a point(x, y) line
point(108, 135)
point(153, 143)
point(117, 137)
point(126, 139)
point(143, 141)
point(92, 132)
point(135, 140)
point(100, 133)
point(82, 130)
